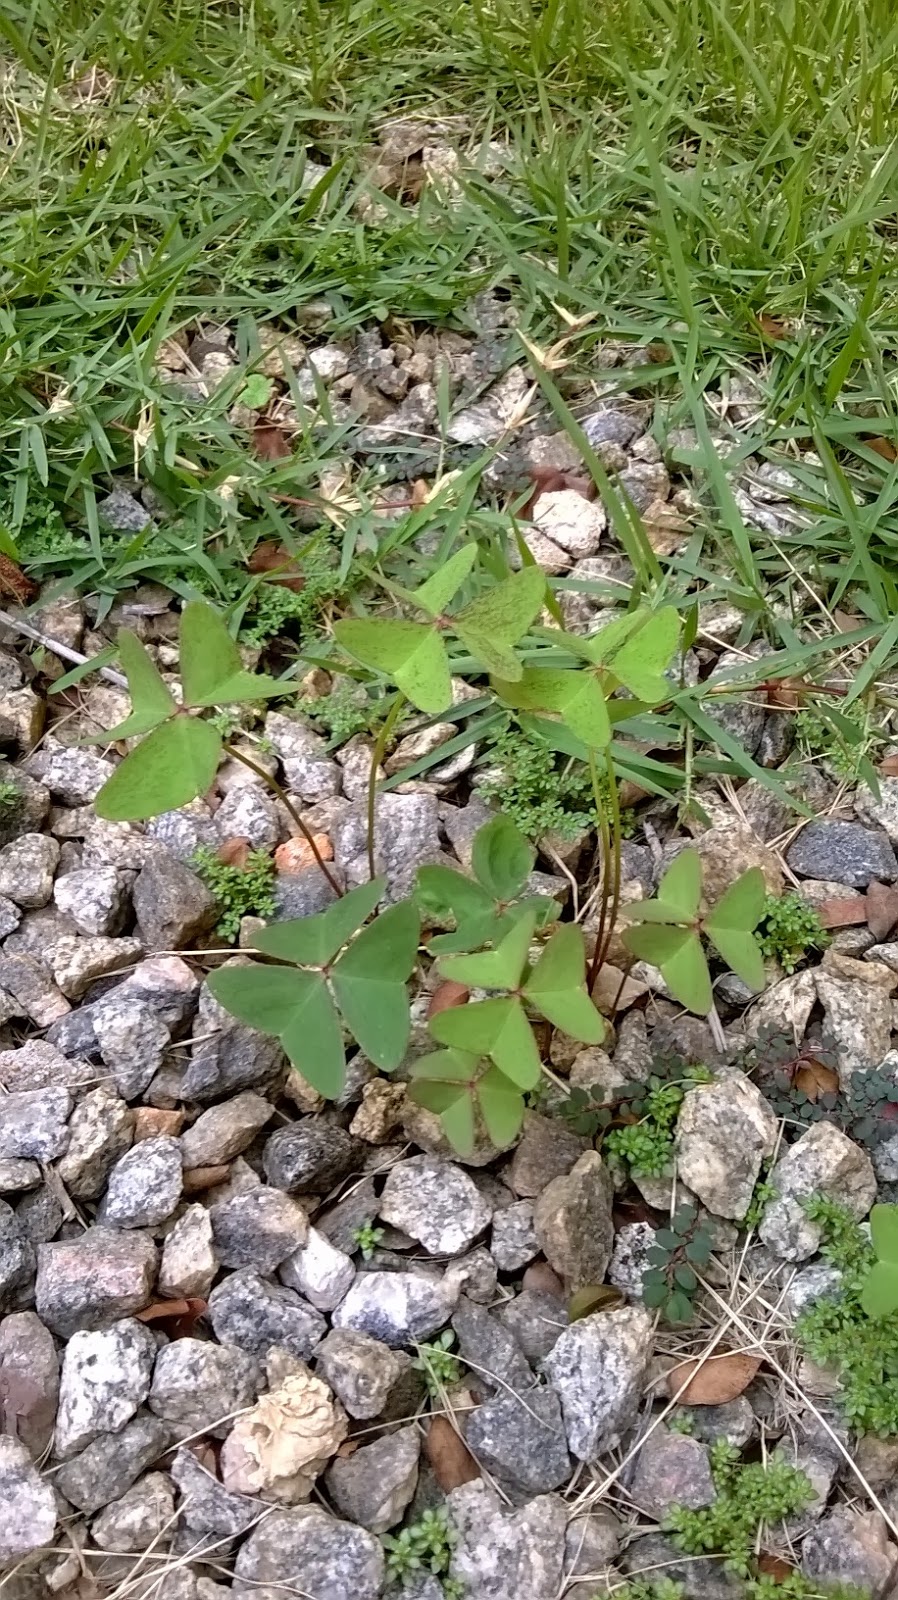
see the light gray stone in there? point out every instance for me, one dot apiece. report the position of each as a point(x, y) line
point(101, 1129)
point(92, 1281)
point(77, 962)
point(132, 1039)
point(139, 1518)
point(823, 1161)
point(319, 1272)
point(197, 1386)
point(311, 773)
point(27, 1504)
point(27, 866)
point(725, 1130)
point(406, 837)
point(435, 1202)
point(598, 1367)
point(145, 1185)
point(364, 1373)
point(34, 1124)
point(375, 1484)
point(502, 1556)
point(73, 775)
point(189, 1262)
point(108, 1466)
point(335, 1559)
point(513, 1241)
point(247, 812)
point(105, 1377)
point(95, 898)
point(857, 1023)
point(399, 1308)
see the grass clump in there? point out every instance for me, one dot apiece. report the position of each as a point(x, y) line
point(790, 928)
point(437, 1364)
point(246, 891)
point(749, 1496)
point(836, 1332)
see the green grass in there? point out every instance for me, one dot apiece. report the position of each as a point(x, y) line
point(674, 175)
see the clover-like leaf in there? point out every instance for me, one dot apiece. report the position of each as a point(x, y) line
point(297, 1008)
point(495, 1028)
point(679, 954)
point(879, 1295)
point(369, 984)
point(729, 927)
point(411, 653)
point(557, 986)
point(151, 699)
point(314, 941)
point(681, 885)
point(576, 697)
point(501, 1107)
point(212, 673)
point(434, 595)
point(884, 1233)
point(168, 769)
point(501, 858)
point(491, 625)
point(443, 1083)
point(501, 968)
point(638, 649)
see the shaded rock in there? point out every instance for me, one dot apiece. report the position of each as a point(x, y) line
point(701, 1579)
point(500, 1556)
point(172, 905)
point(598, 1367)
point(90, 1282)
point(858, 1020)
point(319, 1272)
point(850, 1547)
point(334, 1558)
point(547, 1150)
point(491, 1350)
point(17, 1256)
point(247, 1311)
point(29, 1378)
point(197, 1386)
point(513, 1241)
point(436, 1203)
point(340, 1222)
point(247, 812)
point(734, 1420)
point(823, 1161)
point(208, 1509)
point(880, 811)
point(95, 898)
point(225, 1131)
point(375, 1484)
point(109, 1465)
point(258, 1229)
point(843, 852)
point(310, 772)
point(26, 990)
point(400, 1308)
point(365, 1374)
point(27, 1503)
point(39, 1216)
point(725, 1130)
point(139, 1518)
point(132, 1040)
point(17, 1176)
point(308, 1156)
point(100, 1131)
point(671, 1469)
point(519, 1439)
point(591, 1544)
point(189, 1262)
point(229, 1057)
point(572, 1221)
point(34, 1124)
point(105, 1377)
point(27, 866)
point(535, 1319)
point(303, 894)
point(145, 1185)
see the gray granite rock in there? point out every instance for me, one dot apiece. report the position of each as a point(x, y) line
point(406, 837)
point(76, 963)
point(27, 1504)
point(502, 1556)
point(852, 1548)
point(105, 1377)
point(95, 898)
point(823, 1161)
point(17, 1257)
point(572, 1221)
point(39, 1215)
point(671, 1469)
point(513, 1241)
point(34, 1124)
point(436, 1203)
point(209, 1511)
point(400, 1308)
point(700, 1578)
point(535, 1319)
point(247, 812)
point(225, 1131)
point(29, 1378)
point(108, 1466)
point(311, 773)
point(27, 866)
point(247, 1311)
point(319, 1272)
point(546, 1150)
point(72, 774)
point(145, 1185)
point(309, 1156)
point(597, 1367)
point(197, 1386)
point(228, 1057)
point(725, 1130)
point(335, 1559)
point(303, 894)
point(18, 1176)
point(376, 1483)
point(189, 1262)
point(260, 1229)
point(843, 852)
point(139, 1518)
point(101, 1129)
point(519, 1438)
point(132, 1040)
point(120, 510)
point(365, 1374)
point(172, 905)
point(92, 1281)
point(27, 990)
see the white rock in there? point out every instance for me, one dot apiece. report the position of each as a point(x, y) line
point(725, 1130)
point(319, 1272)
point(598, 1367)
point(436, 1203)
point(27, 1503)
point(570, 521)
point(105, 1377)
point(823, 1161)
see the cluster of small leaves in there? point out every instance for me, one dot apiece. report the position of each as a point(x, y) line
point(669, 931)
point(836, 1331)
point(867, 1109)
point(762, 1194)
point(842, 744)
point(652, 1589)
point(490, 1059)
point(541, 793)
point(367, 1237)
point(670, 1283)
point(789, 928)
point(246, 891)
point(437, 1364)
point(763, 1587)
point(585, 1114)
point(10, 796)
point(341, 714)
point(646, 1145)
point(424, 1546)
point(749, 1495)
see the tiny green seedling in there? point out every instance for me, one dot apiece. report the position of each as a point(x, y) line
point(367, 1237)
point(437, 1363)
point(879, 1295)
point(670, 931)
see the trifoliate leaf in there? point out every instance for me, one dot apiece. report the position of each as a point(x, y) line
point(151, 700)
point(434, 595)
point(501, 858)
point(369, 984)
point(741, 952)
point(884, 1233)
point(297, 1008)
point(495, 622)
point(576, 697)
point(494, 969)
point(879, 1295)
point(681, 885)
point(256, 392)
point(212, 673)
point(501, 1107)
point(313, 941)
point(638, 649)
point(557, 986)
point(743, 905)
point(495, 1028)
point(169, 768)
point(412, 654)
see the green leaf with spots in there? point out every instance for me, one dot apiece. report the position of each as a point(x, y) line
point(681, 886)
point(434, 595)
point(576, 697)
point(491, 625)
point(638, 649)
point(412, 654)
point(169, 768)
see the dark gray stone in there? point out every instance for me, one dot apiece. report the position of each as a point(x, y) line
point(108, 1466)
point(303, 894)
point(247, 1311)
point(535, 1319)
point(309, 1156)
point(492, 1352)
point(229, 1057)
point(172, 905)
point(17, 1257)
point(375, 1484)
point(120, 510)
point(520, 1440)
point(366, 1375)
point(39, 1215)
point(145, 1185)
point(260, 1229)
point(333, 1558)
point(843, 852)
point(208, 1509)
point(34, 1125)
point(197, 1386)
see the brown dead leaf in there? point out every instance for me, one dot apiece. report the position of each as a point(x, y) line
point(882, 909)
point(882, 447)
point(543, 1278)
point(196, 1179)
point(773, 327)
point(814, 1078)
point(276, 559)
point(179, 1316)
point(712, 1382)
point(14, 585)
point(843, 913)
point(888, 766)
point(449, 1456)
point(786, 693)
point(846, 623)
point(447, 995)
point(592, 1297)
point(271, 443)
point(775, 1567)
point(234, 853)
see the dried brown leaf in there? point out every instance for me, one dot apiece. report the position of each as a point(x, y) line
point(773, 327)
point(882, 909)
point(712, 1382)
point(882, 447)
point(14, 585)
point(234, 853)
point(447, 995)
point(775, 1567)
point(814, 1078)
point(271, 443)
point(276, 559)
point(449, 1456)
point(888, 766)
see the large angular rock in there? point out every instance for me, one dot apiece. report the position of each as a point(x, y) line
point(27, 1504)
point(105, 1377)
point(172, 905)
point(572, 1221)
point(95, 898)
point(132, 1040)
point(144, 1185)
point(311, 773)
point(189, 1263)
point(108, 1466)
point(225, 1131)
point(76, 963)
point(308, 1156)
point(365, 1374)
point(139, 1518)
point(406, 837)
point(17, 1257)
point(852, 1548)
point(34, 1125)
point(857, 1025)
point(209, 1510)
point(375, 1484)
point(334, 1559)
point(843, 852)
point(197, 1386)
point(399, 1308)
point(90, 1282)
point(228, 1057)
point(248, 1311)
point(671, 1469)
point(725, 1130)
point(519, 1438)
point(598, 1368)
point(823, 1161)
point(546, 1150)
point(501, 1556)
point(29, 1378)
point(260, 1229)
point(436, 1203)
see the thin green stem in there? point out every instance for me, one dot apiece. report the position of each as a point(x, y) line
point(605, 848)
point(380, 745)
point(290, 808)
